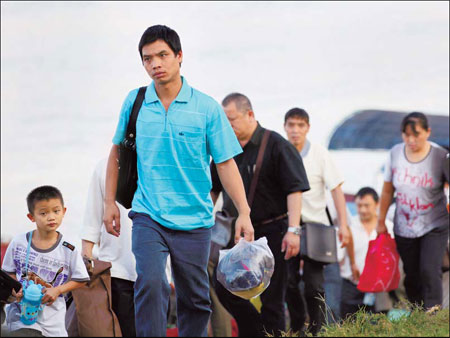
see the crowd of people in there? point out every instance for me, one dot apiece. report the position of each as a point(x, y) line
point(190, 149)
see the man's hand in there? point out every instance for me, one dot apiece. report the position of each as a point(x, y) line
point(50, 295)
point(381, 227)
point(344, 235)
point(355, 273)
point(111, 218)
point(290, 244)
point(244, 225)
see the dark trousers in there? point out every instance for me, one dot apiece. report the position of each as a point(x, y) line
point(352, 299)
point(314, 295)
point(422, 263)
point(122, 296)
point(189, 252)
point(250, 322)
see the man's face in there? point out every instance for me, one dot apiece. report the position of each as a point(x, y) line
point(160, 62)
point(240, 121)
point(367, 207)
point(296, 130)
point(48, 214)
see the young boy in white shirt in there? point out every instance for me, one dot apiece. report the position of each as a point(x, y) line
point(52, 262)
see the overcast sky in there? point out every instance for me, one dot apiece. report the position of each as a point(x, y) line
point(66, 68)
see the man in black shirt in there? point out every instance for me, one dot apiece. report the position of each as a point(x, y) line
point(275, 213)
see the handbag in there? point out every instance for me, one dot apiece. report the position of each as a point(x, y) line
point(318, 242)
point(128, 176)
point(381, 272)
point(221, 231)
point(90, 313)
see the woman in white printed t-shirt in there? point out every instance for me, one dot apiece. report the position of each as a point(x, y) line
point(415, 170)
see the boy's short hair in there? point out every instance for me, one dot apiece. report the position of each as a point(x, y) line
point(44, 192)
point(160, 32)
point(367, 191)
point(296, 113)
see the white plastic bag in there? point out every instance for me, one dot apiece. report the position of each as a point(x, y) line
point(245, 270)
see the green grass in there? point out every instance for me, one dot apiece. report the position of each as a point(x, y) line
point(362, 324)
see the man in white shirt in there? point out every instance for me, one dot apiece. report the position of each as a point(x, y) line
point(363, 229)
point(322, 174)
point(116, 250)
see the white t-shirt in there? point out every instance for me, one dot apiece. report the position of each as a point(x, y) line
point(322, 173)
point(116, 250)
point(360, 245)
point(420, 201)
point(45, 263)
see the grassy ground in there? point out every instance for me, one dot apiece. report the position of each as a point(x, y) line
point(362, 324)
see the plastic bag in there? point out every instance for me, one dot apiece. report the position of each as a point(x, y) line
point(245, 270)
point(381, 272)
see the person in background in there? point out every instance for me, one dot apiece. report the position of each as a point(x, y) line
point(322, 173)
point(116, 250)
point(415, 170)
point(275, 213)
point(363, 229)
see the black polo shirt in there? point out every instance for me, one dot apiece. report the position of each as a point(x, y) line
point(282, 173)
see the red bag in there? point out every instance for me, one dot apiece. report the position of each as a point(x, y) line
point(381, 272)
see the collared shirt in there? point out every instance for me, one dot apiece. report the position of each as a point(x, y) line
point(281, 174)
point(322, 173)
point(174, 149)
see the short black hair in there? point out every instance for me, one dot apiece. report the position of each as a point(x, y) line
point(412, 119)
point(242, 102)
point(298, 113)
point(367, 191)
point(160, 32)
point(42, 193)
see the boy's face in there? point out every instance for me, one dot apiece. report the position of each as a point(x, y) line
point(48, 214)
point(296, 130)
point(160, 62)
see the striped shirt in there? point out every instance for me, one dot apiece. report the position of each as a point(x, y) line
point(174, 149)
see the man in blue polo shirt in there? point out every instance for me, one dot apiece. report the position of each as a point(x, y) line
point(178, 130)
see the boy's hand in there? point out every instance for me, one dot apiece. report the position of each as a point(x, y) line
point(111, 218)
point(18, 295)
point(50, 295)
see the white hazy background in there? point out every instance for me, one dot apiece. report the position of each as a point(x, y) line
point(66, 68)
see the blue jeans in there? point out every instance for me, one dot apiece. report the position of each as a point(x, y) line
point(189, 252)
point(332, 286)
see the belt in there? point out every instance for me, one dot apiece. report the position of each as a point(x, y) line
point(270, 220)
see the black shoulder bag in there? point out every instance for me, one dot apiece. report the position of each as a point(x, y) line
point(127, 180)
point(318, 242)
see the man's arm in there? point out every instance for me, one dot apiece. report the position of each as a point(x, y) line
point(351, 255)
point(86, 248)
point(291, 241)
point(385, 201)
point(232, 183)
point(111, 216)
point(339, 203)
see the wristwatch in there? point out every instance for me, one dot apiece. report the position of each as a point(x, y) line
point(295, 230)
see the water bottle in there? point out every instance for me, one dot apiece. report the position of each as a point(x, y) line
point(31, 302)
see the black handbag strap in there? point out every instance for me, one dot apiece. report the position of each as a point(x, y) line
point(259, 159)
point(131, 128)
point(328, 215)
